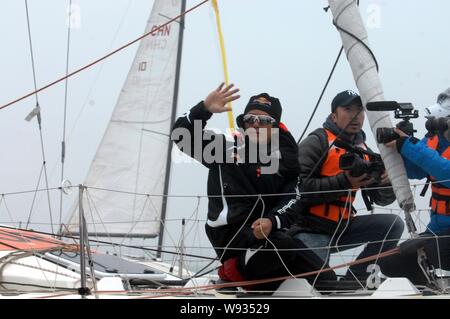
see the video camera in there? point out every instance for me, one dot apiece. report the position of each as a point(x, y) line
point(404, 111)
point(437, 125)
point(354, 162)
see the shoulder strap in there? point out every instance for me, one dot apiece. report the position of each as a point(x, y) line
point(432, 142)
point(367, 200)
point(322, 135)
point(425, 187)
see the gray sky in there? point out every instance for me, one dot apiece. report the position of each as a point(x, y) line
point(285, 48)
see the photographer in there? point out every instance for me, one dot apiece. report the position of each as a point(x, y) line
point(429, 157)
point(329, 217)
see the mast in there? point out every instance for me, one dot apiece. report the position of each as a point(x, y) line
point(347, 19)
point(83, 290)
point(172, 121)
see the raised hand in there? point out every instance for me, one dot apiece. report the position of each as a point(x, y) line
point(216, 101)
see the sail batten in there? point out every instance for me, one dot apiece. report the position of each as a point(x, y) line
point(130, 157)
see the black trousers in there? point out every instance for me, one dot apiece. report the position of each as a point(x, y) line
point(405, 264)
point(261, 261)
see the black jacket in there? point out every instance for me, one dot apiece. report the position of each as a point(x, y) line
point(311, 156)
point(228, 215)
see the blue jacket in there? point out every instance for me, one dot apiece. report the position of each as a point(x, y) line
point(422, 161)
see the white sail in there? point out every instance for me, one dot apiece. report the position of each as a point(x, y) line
point(133, 153)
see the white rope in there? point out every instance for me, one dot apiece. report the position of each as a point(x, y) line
point(240, 228)
point(178, 248)
point(437, 242)
point(3, 200)
point(336, 246)
point(91, 201)
point(302, 249)
point(66, 85)
point(348, 206)
point(130, 231)
point(325, 262)
point(190, 229)
point(211, 196)
point(44, 270)
point(262, 195)
point(38, 115)
point(275, 247)
point(384, 239)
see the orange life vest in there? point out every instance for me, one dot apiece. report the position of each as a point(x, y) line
point(440, 196)
point(341, 208)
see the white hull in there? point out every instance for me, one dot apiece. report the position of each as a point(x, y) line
point(34, 273)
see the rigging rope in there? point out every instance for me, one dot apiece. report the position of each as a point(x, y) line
point(38, 113)
point(67, 76)
point(161, 27)
point(321, 94)
point(66, 84)
point(325, 86)
point(191, 290)
point(34, 197)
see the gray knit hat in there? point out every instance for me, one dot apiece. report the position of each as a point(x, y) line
point(442, 106)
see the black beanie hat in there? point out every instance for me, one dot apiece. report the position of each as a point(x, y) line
point(264, 102)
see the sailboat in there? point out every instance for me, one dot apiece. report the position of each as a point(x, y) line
point(131, 165)
point(120, 202)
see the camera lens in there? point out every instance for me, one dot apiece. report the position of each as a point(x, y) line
point(436, 125)
point(386, 134)
point(354, 164)
point(347, 161)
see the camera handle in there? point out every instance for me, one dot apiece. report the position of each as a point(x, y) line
point(360, 151)
point(407, 127)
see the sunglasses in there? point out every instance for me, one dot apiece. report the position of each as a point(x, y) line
point(261, 119)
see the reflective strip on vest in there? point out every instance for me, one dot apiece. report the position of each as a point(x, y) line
point(342, 208)
point(440, 195)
